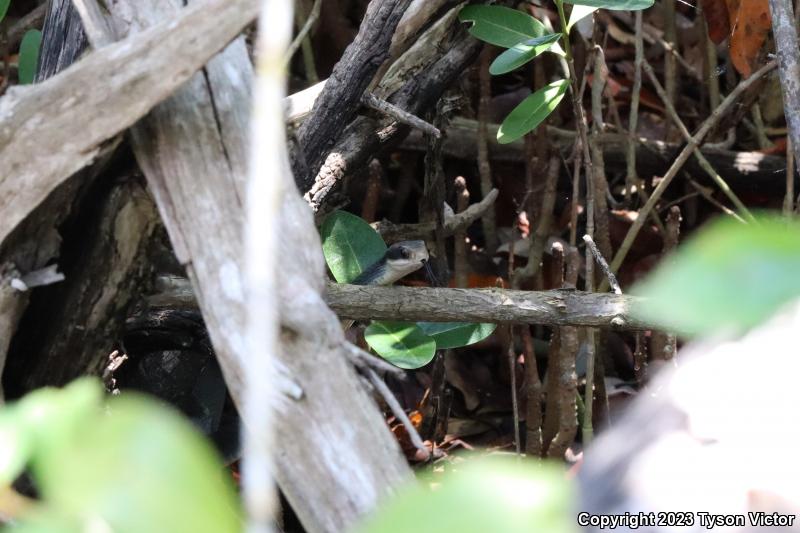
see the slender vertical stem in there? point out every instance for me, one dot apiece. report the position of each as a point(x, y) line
point(631, 178)
point(580, 120)
point(268, 164)
point(484, 168)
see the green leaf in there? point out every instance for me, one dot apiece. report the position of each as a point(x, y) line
point(16, 446)
point(130, 465)
point(350, 245)
point(29, 56)
point(728, 277)
point(521, 53)
point(4, 8)
point(490, 494)
point(614, 5)
point(139, 466)
point(579, 12)
point(501, 26)
point(403, 344)
point(531, 112)
point(456, 334)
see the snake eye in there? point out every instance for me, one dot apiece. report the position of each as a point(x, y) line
point(405, 253)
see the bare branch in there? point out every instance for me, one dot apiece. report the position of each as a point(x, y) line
point(558, 307)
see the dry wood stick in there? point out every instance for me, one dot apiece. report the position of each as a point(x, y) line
point(565, 378)
point(484, 168)
point(424, 230)
point(136, 73)
point(695, 141)
point(631, 178)
point(673, 114)
point(557, 307)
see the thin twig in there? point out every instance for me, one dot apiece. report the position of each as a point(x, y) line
point(538, 238)
point(460, 265)
point(599, 180)
point(424, 230)
point(365, 360)
point(695, 141)
point(705, 193)
point(484, 168)
point(704, 164)
point(788, 201)
point(387, 108)
point(612, 279)
point(398, 412)
point(533, 411)
point(512, 368)
point(664, 345)
point(631, 177)
point(313, 16)
point(670, 67)
point(565, 381)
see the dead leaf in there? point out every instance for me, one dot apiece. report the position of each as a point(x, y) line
point(750, 23)
point(716, 15)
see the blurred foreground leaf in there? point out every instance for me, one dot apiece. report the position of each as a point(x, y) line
point(128, 465)
point(729, 277)
point(490, 494)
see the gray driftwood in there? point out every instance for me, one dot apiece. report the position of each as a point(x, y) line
point(87, 104)
point(335, 457)
point(37, 241)
point(558, 307)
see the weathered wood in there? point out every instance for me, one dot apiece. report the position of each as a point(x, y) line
point(340, 99)
point(63, 39)
point(421, 83)
point(744, 171)
point(558, 307)
point(37, 241)
point(335, 457)
point(101, 95)
point(71, 327)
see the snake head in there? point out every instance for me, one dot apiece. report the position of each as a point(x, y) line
point(406, 256)
point(402, 258)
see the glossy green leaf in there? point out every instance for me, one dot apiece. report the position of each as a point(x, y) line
point(521, 53)
point(614, 5)
point(349, 245)
point(727, 278)
point(492, 494)
point(29, 56)
point(578, 13)
point(501, 26)
point(456, 334)
point(531, 112)
point(403, 344)
point(4, 8)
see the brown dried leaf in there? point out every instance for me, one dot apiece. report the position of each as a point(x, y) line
point(750, 22)
point(716, 15)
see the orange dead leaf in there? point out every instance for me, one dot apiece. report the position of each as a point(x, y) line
point(750, 23)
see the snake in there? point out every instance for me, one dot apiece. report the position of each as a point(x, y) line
point(400, 259)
